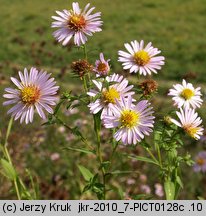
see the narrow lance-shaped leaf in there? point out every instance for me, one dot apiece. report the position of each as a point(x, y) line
point(140, 158)
point(8, 170)
point(85, 173)
point(169, 190)
point(86, 151)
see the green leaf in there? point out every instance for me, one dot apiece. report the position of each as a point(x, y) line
point(169, 190)
point(158, 136)
point(145, 144)
point(86, 188)
point(140, 158)
point(8, 170)
point(119, 172)
point(105, 164)
point(179, 181)
point(86, 151)
point(77, 133)
point(97, 121)
point(85, 173)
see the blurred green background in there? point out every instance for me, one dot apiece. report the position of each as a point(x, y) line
point(176, 27)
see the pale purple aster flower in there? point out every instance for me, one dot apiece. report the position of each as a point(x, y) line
point(77, 23)
point(118, 87)
point(200, 162)
point(159, 190)
point(145, 189)
point(141, 59)
point(186, 95)
point(190, 122)
point(102, 67)
point(35, 90)
point(133, 122)
point(55, 156)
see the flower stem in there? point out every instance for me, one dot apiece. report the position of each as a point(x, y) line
point(17, 190)
point(152, 156)
point(84, 77)
point(86, 58)
point(85, 84)
point(85, 51)
point(159, 156)
point(97, 126)
point(7, 156)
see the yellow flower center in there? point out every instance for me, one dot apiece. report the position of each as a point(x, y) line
point(191, 131)
point(29, 94)
point(129, 118)
point(102, 67)
point(110, 95)
point(200, 161)
point(76, 22)
point(141, 57)
point(187, 94)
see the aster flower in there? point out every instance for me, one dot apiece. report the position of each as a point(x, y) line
point(159, 191)
point(141, 59)
point(35, 90)
point(186, 95)
point(190, 122)
point(200, 162)
point(118, 87)
point(133, 122)
point(76, 23)
point(102, 67)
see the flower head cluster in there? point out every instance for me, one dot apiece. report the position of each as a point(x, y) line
point(186, 95)
point(190, 122)
point(133, 122)
point(117, 87)
point(35, 90)
point(200, 162)
point(187, 98)
point(102, 67)
point(141, 59)
point(76, 23)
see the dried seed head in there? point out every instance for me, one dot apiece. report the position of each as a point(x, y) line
point(81, 67)
point(148, 87)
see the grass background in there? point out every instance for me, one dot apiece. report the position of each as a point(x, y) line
point(176, 27)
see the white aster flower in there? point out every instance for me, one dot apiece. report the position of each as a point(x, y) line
point(35, 90)
point(118, 87)
point(141, 59)
point(77, 23)
point(186, 95)
point(190, 122)
point(133, 122)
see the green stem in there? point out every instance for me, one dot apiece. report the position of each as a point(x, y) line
point(159, 156)
point(97, 125)
point(8, 131)
point(84, 77)
point(86, 58)
point(152, 156)
point(7, 156)
point(17, 190)
point(115, 145)
point(85, 84)
point(85, 51)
